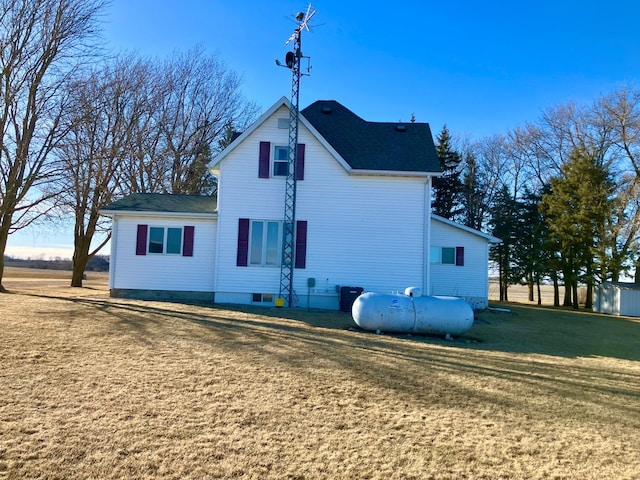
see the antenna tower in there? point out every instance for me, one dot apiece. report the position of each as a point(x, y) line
point(293, 60)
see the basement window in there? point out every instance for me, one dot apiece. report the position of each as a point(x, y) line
point(262, 297)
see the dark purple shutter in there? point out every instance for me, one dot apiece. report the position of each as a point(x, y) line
point(460, 256)
point(187, 241)
point(141, 240)
point(300, 165)
point(301, 244)
point(263, 164)
point(243, 242)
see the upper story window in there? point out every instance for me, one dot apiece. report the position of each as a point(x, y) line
point(273, 161)
point(280, 161)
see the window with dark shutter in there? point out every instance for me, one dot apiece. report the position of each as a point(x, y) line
point(460, 256)
point(263, 161)
point(141, 240)
point(243, 242)
point(188, 234)
point(301, 244)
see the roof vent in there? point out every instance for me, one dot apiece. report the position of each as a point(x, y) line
point(326, 110)
point(401, 127)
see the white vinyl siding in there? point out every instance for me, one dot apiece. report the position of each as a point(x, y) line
point(163, 272)
point(470, 280)
point(362, 230)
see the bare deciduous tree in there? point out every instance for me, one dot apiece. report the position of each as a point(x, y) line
point(40, 42)
point(138, 127)
point(196, 97)
point(108, 106)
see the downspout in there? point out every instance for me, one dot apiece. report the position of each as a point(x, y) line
point(112, 253)
point(427, 238)
point(216, 256)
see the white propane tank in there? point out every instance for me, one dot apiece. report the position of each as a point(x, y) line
point(417, 314)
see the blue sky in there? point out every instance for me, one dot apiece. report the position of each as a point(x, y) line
point(481, 68)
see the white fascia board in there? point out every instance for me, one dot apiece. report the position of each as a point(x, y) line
point(446, 221)
point(135, 213)
point(390, 173)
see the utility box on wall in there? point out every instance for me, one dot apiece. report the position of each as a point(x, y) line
point(348, 295)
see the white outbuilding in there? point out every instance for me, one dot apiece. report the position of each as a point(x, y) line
point(617, 298)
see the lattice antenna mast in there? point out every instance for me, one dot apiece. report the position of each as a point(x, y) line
point(293, 61)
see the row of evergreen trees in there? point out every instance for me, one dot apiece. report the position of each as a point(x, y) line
point(562, 193)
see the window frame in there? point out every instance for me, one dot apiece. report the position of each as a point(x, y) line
point(450, 256)
point(266, 244)
point(437, 256)
point(262, 298)
point(165, 238)
point(275, 172)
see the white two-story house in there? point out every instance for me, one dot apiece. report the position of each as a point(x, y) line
point(363, 203)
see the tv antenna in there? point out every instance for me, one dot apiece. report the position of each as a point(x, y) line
point(292, 61)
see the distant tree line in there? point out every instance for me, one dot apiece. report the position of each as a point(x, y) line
point(80, 128)
point(562, 192)
point(97, 263)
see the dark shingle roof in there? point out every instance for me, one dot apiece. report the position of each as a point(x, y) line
point(405, 147)
point(159, 202)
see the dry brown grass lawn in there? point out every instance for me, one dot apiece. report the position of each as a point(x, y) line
point(93, 387)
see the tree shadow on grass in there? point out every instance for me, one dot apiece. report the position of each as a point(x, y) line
point(523, 329)
point(313, 340)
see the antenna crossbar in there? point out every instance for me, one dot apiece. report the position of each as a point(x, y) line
point(303, 24)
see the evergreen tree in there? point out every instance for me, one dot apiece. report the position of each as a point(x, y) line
point(198, 180)
point(472, 202)
point(505, 224)
point(531, 250)
point(577, 210)
point(448, 187)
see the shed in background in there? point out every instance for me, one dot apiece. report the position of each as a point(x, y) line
point(617, 298)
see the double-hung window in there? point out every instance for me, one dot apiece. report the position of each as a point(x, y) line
point(273, 161)
point(165, 240)
point(260, 243)
point(447, 255)
point(280, 161)
point(265, 242)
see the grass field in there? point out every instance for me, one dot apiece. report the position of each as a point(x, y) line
point(93, 387)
